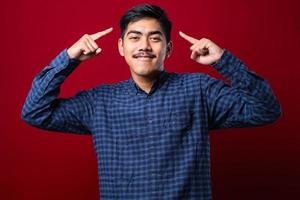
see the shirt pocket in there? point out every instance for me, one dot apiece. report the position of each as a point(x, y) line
point(180, 120)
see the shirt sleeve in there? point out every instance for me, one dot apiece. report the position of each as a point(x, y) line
point(43, 108)
point(246, 101)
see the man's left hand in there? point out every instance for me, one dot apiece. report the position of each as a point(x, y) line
point(204, 51)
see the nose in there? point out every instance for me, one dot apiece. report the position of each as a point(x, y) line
point(145, 45)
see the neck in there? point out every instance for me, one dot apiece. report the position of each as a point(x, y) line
point(145, 82)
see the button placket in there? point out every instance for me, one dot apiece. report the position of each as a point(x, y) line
point(148, 117)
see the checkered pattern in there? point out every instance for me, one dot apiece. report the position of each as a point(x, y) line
point(156, 145)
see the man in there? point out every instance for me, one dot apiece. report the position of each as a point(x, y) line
point(151, 132)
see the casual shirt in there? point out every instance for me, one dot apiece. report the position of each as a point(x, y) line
point(153, 145)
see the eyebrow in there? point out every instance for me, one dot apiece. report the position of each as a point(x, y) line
point(140, 33)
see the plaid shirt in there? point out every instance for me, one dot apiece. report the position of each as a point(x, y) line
point(156, 145)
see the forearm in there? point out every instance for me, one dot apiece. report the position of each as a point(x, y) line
point(45, 89)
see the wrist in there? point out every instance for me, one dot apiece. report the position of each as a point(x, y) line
point(70, 55)
point(218, 58)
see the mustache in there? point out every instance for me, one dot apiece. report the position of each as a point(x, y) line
point(144, 54)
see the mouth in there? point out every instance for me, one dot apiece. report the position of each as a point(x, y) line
point(144, 56)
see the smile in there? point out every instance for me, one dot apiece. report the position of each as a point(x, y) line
point(144, 56)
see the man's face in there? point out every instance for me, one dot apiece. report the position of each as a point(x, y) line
point(144, 47)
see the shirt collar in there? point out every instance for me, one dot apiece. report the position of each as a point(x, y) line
point(161, 79)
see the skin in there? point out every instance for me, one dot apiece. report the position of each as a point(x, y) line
point(86, 47)
point(145, 49)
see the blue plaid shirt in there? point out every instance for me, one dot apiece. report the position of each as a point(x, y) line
point(156, 145)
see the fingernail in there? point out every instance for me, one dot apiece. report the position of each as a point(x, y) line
point(98, 50)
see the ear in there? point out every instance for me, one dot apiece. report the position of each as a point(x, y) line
point(120, 47)
point(169, 49)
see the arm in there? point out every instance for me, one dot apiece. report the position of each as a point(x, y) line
point(247, 101)
point(43, 108)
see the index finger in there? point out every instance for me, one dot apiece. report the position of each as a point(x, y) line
point(100, 34)
point(188, 38)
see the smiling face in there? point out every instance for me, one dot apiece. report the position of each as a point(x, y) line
point(144, 47)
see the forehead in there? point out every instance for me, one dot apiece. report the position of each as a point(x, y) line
point(144, 26)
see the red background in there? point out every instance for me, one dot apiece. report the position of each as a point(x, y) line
point(254, 163)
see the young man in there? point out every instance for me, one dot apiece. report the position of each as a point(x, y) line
point(151, 132)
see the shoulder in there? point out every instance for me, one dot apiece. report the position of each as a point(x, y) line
point(188, 79)
point(193, 83)
point(109, 90)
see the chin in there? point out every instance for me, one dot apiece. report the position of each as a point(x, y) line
point(146, 72)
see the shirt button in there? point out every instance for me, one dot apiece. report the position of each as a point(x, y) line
point(148, 120)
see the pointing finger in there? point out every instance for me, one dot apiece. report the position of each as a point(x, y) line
point(188, 38)
point(100, 34)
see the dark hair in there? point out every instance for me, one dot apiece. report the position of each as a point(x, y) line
point(145, 10)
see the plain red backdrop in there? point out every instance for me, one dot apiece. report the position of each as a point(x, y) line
point(253, 163)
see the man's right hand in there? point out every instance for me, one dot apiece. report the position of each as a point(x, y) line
point(86, 47)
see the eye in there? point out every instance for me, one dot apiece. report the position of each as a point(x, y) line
point(155, 39)
point(133, 37)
